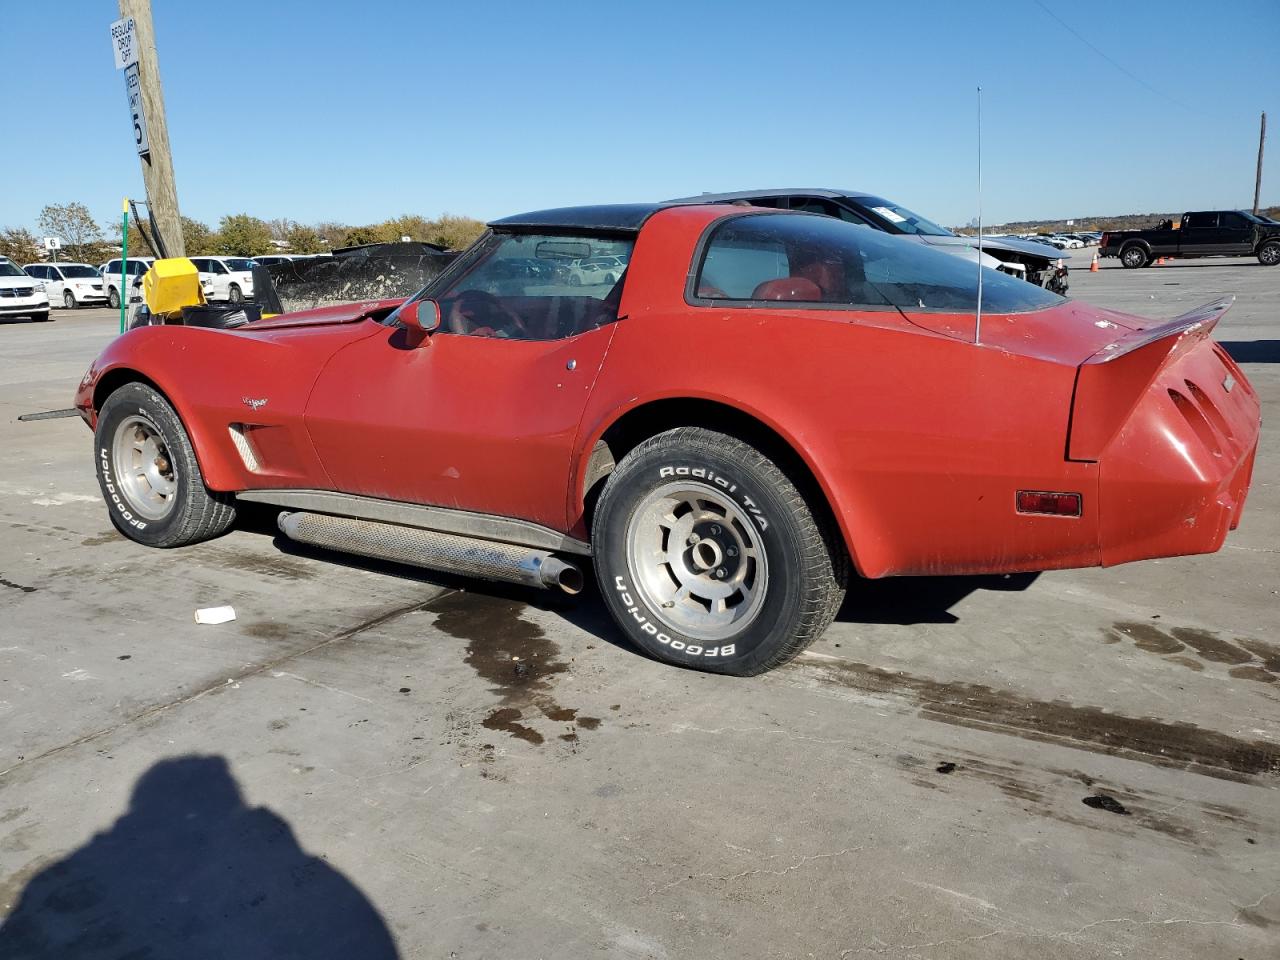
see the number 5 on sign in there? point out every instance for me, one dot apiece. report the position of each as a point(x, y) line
point(137, 115)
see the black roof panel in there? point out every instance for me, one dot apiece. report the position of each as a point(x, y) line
point(609, 216)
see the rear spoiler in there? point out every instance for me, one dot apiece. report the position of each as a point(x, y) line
point(1112, 381)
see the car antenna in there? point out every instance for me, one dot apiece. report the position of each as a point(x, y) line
point(977, 321)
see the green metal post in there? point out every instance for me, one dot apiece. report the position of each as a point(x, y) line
point(124, 263)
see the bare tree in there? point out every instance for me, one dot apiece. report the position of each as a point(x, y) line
point(71, 223)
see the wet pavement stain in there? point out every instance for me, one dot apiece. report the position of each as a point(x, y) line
point(518, 661)
point(1254, 660)
point(1146, 739)
point(1149, 638)
point(267, 630)
point(109, 536)
point(279, 566)
point(16, 586)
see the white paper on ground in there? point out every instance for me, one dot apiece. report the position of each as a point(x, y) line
point(215, 615)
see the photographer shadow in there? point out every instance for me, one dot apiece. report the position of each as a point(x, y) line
point(190, 871)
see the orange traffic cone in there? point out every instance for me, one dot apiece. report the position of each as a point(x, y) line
point(1093, 267)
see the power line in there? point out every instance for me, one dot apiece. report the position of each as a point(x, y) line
point(1119, 66)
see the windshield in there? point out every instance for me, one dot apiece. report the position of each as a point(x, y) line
point(902, 220)
point(7, 269)
point(767, 258)
point(238, 264)
point(78, 271)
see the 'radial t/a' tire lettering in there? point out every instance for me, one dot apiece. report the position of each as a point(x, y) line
point(148, 473)
point(709, 557)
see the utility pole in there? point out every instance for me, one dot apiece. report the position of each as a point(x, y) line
point(157, 165)
point(1257, 184)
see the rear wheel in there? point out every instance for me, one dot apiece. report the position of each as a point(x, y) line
point(68, 299)
point(1269, 254)
point(709, 557)
point(1133, 257)
point(149, 475)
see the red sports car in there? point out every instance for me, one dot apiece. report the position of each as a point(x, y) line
point(762, 399)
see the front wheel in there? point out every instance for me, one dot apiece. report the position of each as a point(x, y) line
point(1269, 254)
point(1133, 257)
point(113, 298)
point(149, 475)
point(709, 557)
point(235, 295)
point(68, 299)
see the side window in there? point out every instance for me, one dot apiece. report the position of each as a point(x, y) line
point(1201, 221)
point(202, 265)
point(112, 269)
point(39, 273)
point(537, 287)
point(216, 267)
point(815, 205)
point(759, 258)
point(1232, 221)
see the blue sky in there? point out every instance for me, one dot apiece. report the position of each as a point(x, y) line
point(317, 110)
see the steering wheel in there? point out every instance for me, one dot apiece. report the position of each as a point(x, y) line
point(475, 313)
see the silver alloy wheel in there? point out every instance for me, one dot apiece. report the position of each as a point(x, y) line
point(144, 471)
point(68, 299)
point(1270, 254)
point(697, 559)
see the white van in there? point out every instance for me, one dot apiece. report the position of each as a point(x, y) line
point(69, 284)
point(225, 278)
point(20, 294)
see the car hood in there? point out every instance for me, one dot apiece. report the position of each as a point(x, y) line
point(10, 282)
point(325, 316)
point(1024, 247)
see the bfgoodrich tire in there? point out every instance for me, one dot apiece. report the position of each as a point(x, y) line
point(149, 476)
point(709, 557)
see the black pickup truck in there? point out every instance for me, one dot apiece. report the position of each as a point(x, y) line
point(1204, 233)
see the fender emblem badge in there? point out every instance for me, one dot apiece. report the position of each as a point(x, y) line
point(254, 404)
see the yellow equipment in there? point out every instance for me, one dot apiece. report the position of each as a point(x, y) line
point(171, 285)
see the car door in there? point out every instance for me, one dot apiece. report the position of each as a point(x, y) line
point(1235, 234)
point(1199, 234)
point(470, 419)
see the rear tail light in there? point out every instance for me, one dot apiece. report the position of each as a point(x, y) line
point(1049, 503)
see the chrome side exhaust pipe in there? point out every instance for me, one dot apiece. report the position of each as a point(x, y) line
point(446, 552)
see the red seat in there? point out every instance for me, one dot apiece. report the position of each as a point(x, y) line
point(788, 288)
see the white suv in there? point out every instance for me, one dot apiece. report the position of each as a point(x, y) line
point(20, 294)
point(69, 284)
point(225, 278)
point(111, 278)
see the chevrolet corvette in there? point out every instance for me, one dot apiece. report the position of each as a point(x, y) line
point(761, 404)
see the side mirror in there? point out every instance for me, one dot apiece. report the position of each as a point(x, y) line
point(420, 318)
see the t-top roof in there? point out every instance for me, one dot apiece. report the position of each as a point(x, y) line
point(629, 217)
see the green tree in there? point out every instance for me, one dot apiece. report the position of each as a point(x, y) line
point(200, 240)
point(304, 240)
point(358, 236)
point(19, 245)
point(243, 235)
point(71, 223)
point(454, 232)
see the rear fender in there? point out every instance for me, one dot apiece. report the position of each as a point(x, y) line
point(1112, 381)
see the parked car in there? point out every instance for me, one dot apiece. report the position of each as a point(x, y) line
point(595, 270)
point(21, 295)
point(69, 284)
point(851, 413)
point(134, 270)
point(1005, 254)
point(1203, 233)
point(225, 278)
